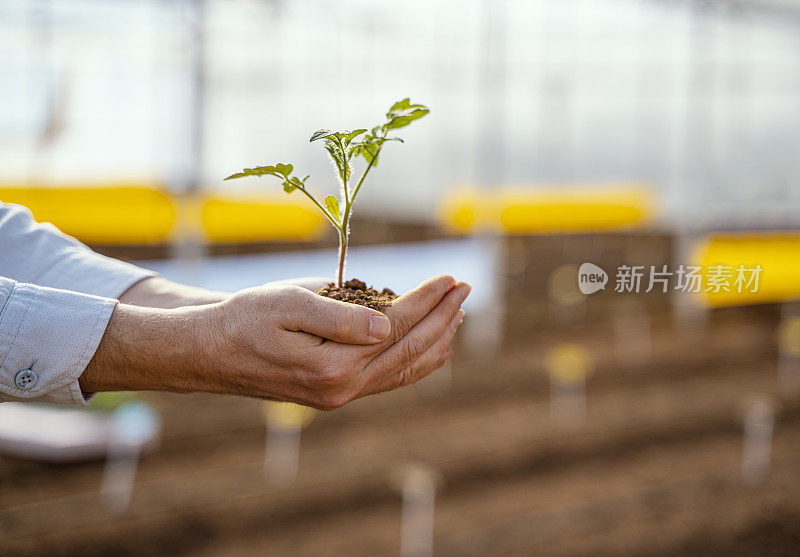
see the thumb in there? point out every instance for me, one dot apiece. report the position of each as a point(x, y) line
point(338, 321)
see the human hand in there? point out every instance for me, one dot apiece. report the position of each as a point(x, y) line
point(286, 343)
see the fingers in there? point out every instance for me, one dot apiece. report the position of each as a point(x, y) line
point(432, 359)
point(397, 363)
point(411, 307)
point(331, 319)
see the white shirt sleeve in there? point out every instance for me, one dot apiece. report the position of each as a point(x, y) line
point(56, 298)
point(40, 254)
point(47, 338)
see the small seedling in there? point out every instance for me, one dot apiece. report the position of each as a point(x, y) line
point(343, 147)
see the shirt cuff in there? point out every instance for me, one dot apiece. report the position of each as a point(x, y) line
point(47, 338)
point(82, 270)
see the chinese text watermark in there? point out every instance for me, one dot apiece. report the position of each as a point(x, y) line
point(661, 278)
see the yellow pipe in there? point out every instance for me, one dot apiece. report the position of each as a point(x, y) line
point(140, 214)
point(519, 210)
point(777, 253)
point(118, 214)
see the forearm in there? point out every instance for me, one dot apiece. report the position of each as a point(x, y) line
point(152, 349)
point(158, 292)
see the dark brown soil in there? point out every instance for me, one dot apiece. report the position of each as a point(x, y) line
point(357, 292)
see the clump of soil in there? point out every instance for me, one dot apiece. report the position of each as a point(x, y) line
point(357, 292)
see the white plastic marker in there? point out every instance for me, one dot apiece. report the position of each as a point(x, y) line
point(285, 422)
point(689, 312)
point(417, 485)
point(568, 366)
point(759, 420)
point(789, 348)
point(133, 425)
point(633, 342)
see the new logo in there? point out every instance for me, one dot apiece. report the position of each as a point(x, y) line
point(591, 278)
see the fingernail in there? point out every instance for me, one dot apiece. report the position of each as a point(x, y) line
point(466, 289)
point(379, 327)
point(458, 318)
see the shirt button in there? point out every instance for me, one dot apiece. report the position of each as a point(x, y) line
point(26, 379)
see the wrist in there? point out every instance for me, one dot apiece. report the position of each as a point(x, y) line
point(154, 349)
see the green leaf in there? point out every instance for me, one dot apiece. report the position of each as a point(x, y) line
point(403, 113)
point(335, 137)
point(370, 152)
point(257, 171)
point(352, 135)
point(400, 105)
point(369, 146)
point(404, 106)
point(402, 119)
point(319, 134)
point(333, 206)
point(339, 159)
point(334, 153)
point(284, 169)
point(280, 170)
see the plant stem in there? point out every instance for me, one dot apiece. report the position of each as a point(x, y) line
point(344, 231)
point(343, 238)
point(346, 168)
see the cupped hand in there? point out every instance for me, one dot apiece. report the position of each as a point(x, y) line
point(284, 342)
